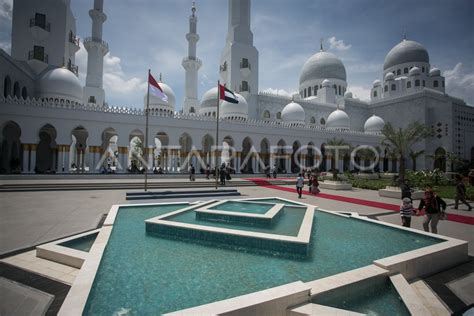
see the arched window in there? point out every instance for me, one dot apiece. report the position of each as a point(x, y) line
point(7, 87)
point(435, 84)
point(399, 72)
point(309, 92)
point(393, 88)
point(24, 93)
point(316, 89)
point(266, 115)
point(423, 69)
point(375, 93)
point(335, 89)
point(312, 120)
point(405, 71)
point(339, 90)
point(245, 86)
point(16, 90)
point(423, 83)
point(192, 110)
point(304, 92)
point(408, 84)
point(385, 89)
point(278, 116)
point(322, 121)
point(320, 86)
point(417, 83)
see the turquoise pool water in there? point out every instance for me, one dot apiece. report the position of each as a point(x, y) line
point(151, 275)
point(83, 243)
point(380, 298)
point(288, 223)
point(244, 207)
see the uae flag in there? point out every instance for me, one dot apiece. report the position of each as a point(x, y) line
point(155, 88)
point(227, 95)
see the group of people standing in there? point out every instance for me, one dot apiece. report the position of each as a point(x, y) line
point(313, 182)
point(431, 206)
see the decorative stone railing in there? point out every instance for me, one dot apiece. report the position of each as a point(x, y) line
point(92, 107)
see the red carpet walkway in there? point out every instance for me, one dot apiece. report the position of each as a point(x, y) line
point(385, 206)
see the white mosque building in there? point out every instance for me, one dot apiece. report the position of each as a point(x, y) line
point(50, 123)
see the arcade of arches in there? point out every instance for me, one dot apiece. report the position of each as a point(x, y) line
point(49, 156)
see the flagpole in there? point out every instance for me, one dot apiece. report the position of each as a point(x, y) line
point(146, 127)
point(217, 132)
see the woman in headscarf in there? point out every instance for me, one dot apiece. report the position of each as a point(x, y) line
point(434, 207)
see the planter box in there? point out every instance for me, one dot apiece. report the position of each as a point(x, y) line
point(335, 185)
point(388, 175)
point(368, 176)
point(396, 193)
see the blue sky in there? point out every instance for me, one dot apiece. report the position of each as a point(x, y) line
point(146, 34)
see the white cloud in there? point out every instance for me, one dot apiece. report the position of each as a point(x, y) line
point(360, 92)
point(6, 7)
point(116, 82)
point(459, 83)
point(338, 45)
point(6, 46)
point(281, 92)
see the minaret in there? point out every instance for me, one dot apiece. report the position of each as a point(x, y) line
point(191, 65)
point(239, 59)
point(96, 50)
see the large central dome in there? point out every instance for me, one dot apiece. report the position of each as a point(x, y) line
point(406, 52)
point(323, 65)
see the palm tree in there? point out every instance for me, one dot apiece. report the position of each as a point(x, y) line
point(414, 154)
point(343, 147)
point(400, 141)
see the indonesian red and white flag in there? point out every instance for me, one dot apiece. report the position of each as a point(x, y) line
point(155, 89)
point(227, 95)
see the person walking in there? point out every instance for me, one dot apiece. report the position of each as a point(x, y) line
point(275, 171)
point(222, 174)
point(461, 194)
point(310, 183)
point(315, 184)
point(299, 185)
point(406, 211)
point(434, 208)
point(192, 173)
point(406, 190)
point(208, 171)
point(267, 171)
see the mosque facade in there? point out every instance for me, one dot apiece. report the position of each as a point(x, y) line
point(51, 123)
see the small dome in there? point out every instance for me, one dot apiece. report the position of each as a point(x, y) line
point(389, 76)
point(293, 113)
point(156, 102)
point(406, 52)
point(377, 82)
point(374, 124)
point(338, 120)
point(60, 83)
point(326, 83)
point(348, 95)
point(209, 99)
point(435, 72)
point(323, 65)
point(414, 71)
point(236, 111)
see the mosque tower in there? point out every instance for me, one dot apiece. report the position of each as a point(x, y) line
point(191, 65)
point(96, 50)
point(239, 59)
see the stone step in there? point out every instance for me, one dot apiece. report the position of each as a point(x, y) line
point(317, 309)
point(176, 195)
point(429, 299)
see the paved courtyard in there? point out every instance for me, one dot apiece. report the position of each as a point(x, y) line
point(32, 218)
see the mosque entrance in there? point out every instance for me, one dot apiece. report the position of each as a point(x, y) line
point(11, 150)
point(46, 152)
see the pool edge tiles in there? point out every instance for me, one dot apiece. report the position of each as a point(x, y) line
point(57, 252)
point(283, 244)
